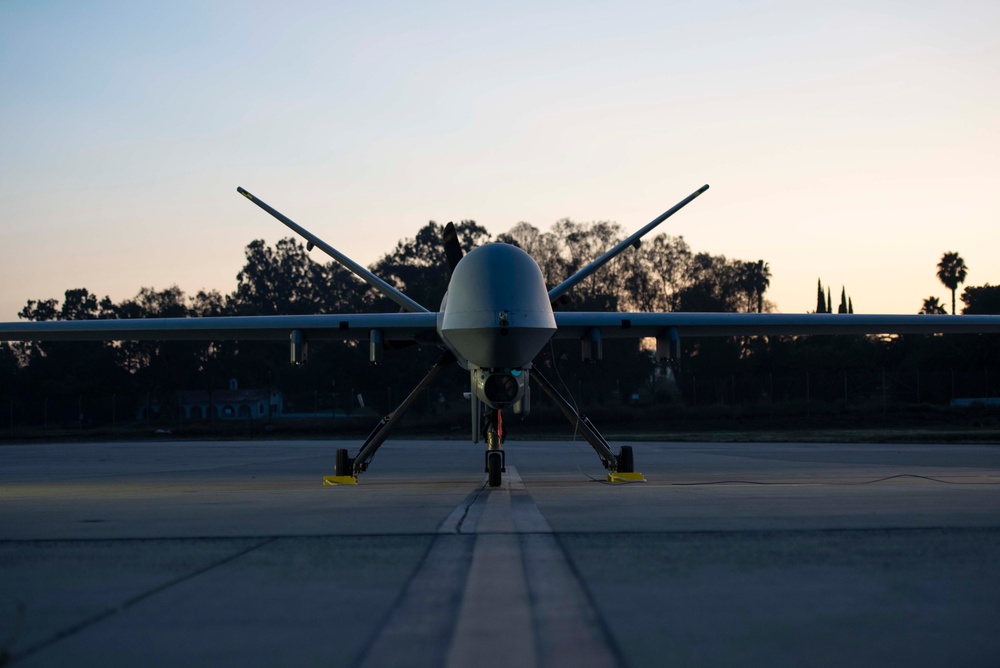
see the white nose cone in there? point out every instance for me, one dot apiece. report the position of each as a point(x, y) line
point(497, 314)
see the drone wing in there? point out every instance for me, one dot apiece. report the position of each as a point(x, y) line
point(419, 327)
point(668, 328)
point(637, 325)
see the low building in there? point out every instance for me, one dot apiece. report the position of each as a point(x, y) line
point(231, 404)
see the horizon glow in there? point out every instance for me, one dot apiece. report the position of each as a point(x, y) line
point(852, 144)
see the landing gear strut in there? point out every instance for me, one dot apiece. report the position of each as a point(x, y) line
point(496, 458)
point(621, 467)
point(348, 469)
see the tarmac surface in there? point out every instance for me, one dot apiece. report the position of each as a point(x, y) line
point(219, 553)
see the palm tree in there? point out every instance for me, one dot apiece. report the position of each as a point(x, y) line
point(755, 279)
point(932, 306)
point(952, 271)
point(762, 281)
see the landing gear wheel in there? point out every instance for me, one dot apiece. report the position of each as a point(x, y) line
point(345, 466)
point(494, 464)
point(626, 462)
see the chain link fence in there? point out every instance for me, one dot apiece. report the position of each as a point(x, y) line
point(849, 388)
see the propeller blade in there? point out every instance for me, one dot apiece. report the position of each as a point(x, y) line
point(452, 246)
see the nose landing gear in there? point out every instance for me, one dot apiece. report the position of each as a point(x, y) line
point(496, 458)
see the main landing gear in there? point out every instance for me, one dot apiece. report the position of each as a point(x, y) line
point(348, 469)
point(621, 466)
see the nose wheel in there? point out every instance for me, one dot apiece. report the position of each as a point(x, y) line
point(496, 458)
point(495, 467)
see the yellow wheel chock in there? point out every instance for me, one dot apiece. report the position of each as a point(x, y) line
point(615, 476)
point(339, 480)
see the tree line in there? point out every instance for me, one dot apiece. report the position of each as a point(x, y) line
point(978, 300)
point(661, 274)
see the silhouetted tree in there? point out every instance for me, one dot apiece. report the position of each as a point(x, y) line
point(208, 304)
point(952, 272)
point(67, 368)
point(40, 310)
point(713, 285)
point(664, 265)
point(418, 266)
point(285, 280)
point(820, 297)
point(982, 300)
point(157, 364)
point(584, 242)
point(754, 279)
point(932, 306)
point(662, 274)
point(78, 304)
point(9, 361)
point(544, 247)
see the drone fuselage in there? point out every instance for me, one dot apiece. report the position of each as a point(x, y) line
point(496, 314)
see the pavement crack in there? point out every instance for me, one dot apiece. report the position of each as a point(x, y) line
point(133, 600)
point(468, 506)
point(456, 520)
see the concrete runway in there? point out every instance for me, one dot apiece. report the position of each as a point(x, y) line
point(221, 553)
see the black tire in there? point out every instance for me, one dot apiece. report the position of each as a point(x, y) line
point(494, 464)
point(626, 461)
point(344, 464)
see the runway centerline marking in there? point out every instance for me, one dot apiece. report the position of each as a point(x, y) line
point(515, 599)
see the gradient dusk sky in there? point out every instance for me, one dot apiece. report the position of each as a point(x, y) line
point(854, 142)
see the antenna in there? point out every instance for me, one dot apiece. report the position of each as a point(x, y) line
point(633, 240)
point(368, 277)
